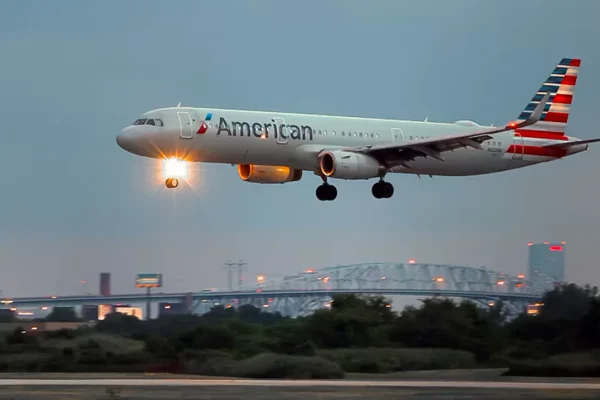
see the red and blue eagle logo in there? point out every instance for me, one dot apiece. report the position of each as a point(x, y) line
point(204, 125)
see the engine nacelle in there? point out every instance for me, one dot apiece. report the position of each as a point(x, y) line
point(349, 165)
point(268, 174)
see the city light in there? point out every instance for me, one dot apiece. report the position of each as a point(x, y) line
point(260, 278)
point(25, 313)
point(412, 261)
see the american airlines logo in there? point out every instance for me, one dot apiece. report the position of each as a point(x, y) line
point(204, 125)
point(260, 130)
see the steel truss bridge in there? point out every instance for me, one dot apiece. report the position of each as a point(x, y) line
point(309, 290)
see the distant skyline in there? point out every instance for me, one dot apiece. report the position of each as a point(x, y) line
point(74, 74)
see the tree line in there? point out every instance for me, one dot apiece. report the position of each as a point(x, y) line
point(463, 333)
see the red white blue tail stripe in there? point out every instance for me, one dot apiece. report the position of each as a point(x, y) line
point(561, 86)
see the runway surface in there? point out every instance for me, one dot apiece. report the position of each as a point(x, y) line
point(301, 383)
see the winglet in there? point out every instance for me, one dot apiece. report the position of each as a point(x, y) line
point(535, 115)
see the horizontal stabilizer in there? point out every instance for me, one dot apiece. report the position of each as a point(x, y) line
point(566, 145)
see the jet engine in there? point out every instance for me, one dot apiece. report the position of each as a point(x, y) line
point(268, 174)
point(349, 165)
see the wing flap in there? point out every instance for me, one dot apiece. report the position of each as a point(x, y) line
point(399, 153)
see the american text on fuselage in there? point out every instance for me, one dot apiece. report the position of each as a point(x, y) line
point(262, 130)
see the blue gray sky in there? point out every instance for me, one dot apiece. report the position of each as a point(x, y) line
point(73, 74)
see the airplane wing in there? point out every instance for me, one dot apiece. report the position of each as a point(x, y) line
point(566, 145)
point(395, 154)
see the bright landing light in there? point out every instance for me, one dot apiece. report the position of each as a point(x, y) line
point(174, 168)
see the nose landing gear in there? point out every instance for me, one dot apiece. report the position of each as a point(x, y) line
point(172, 183)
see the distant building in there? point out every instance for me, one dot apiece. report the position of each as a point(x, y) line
point(105, 284)
point(89, 312)
point(546, 263)
point(7, 314)
point(132, 311)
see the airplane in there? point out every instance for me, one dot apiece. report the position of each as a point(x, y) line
point(277, 147)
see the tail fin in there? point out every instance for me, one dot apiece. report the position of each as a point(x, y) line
point(561, 86)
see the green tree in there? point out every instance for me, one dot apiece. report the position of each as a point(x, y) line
point(441, 323)
point(567, 302)
point(63, 314)
point(208, 337)
point(353, 321)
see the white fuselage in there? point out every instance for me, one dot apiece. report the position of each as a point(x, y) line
point(250, 137)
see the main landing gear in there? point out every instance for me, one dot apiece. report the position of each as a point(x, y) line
point(172, 183)
point(380, 190)
point(326, 192)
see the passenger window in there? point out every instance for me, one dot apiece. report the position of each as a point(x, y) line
point(343, 133)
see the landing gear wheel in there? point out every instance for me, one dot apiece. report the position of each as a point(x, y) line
point(172, 183)
point(388, 190)
point(382, 190)
point(326, 192)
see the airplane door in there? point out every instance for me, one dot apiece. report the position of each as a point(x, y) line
point(397, 135)
point(519, 146)
point(282, 135)
point(185, 125)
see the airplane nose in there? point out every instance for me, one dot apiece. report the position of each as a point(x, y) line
point(125, 139)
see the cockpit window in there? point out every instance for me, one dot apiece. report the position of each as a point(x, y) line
point(149, 121)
